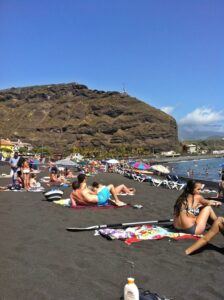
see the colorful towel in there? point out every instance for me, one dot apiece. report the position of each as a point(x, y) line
point(146, 232)
point(96, 207)
point(67, 203)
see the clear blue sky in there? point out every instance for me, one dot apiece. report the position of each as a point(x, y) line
point(168, 53)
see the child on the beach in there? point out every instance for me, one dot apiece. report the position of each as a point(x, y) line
point(191, 213)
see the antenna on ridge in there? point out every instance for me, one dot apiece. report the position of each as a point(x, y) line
point(123, 89)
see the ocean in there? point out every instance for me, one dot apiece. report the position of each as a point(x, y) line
point(205, 169)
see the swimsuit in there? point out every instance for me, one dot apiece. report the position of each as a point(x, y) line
point(193, 211)
point(103, 196)
point(190, 230)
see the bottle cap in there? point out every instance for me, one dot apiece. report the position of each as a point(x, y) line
point(131, 280)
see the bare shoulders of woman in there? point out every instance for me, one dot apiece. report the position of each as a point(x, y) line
point(198, 198)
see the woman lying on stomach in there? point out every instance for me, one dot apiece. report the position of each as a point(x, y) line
point(191, 213)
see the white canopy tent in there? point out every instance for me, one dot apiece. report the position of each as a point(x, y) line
point(66, 162)
point(112, 161)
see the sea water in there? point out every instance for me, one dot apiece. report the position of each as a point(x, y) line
point(205, 169)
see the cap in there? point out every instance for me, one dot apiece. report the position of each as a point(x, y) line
point(131, 280)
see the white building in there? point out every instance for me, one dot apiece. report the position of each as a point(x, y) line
point(191, 148)
point(170, 153)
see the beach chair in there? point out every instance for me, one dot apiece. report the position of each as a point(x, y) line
point(167, 184)
point(156, 182)
point(175, 182)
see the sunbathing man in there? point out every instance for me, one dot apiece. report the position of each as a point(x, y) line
point(120, 189)
point(81, 195)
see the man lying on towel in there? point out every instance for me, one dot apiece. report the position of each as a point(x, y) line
point(82, 195)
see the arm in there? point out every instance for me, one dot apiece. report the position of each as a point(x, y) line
point(89, 197)
point(206, 202)
point(73, 203)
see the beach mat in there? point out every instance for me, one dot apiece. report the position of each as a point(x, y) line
point(66, 203)
point(136, 234)
point(95, 207)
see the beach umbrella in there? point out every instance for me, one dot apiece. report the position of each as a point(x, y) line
point(113, 161)
point(140, 166)
point(161, 169)
point(66, 162)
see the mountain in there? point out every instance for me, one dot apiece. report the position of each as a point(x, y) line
point(186, 134)
point(62, 116)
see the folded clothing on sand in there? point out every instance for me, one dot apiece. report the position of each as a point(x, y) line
point(146, 232)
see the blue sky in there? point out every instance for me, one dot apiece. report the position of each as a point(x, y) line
point(168, 53)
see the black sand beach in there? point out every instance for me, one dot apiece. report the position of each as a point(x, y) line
point(40, 260)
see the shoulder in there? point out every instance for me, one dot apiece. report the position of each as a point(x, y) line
point(198, 198)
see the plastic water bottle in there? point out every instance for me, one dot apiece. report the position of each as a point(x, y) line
point(131, 291)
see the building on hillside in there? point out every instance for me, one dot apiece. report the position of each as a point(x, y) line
point(6, 147)
point(170, 153)
point(191, 148)
point(218, 152)
point(19, 144)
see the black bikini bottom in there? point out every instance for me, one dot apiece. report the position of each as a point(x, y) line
point(190, 230)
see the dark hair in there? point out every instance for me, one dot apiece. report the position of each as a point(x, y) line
point(19, 173)
point(95, 184)
point(20, 161)
point(81, 178)
point(54, 170)
point(75, 185)
point(222, 178)
point(182, 199)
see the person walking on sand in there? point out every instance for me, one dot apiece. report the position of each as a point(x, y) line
point(191, 213)
point(82, 195)
point(14, 165)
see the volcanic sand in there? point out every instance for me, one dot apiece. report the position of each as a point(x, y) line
point(40, 260)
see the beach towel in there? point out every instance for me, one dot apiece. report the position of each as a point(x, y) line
point(5, 175)
point(67, 203)
point(146, 232)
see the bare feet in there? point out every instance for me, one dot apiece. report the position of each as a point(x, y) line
point(118, 203)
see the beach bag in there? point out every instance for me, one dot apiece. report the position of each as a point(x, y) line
point(147, 295)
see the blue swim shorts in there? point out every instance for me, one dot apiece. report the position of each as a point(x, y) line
point(103, 196)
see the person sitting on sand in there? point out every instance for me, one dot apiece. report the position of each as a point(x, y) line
point(191, 213)
point(55, 178)
point(120, 189)
point(69, 174)
point(81, 195)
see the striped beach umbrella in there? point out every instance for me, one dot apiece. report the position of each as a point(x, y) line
point(140, 166)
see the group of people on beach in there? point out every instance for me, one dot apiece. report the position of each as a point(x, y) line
point(99, 194)
point(22, 174)
point(191, 211)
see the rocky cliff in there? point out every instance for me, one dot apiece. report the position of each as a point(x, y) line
point(66, 115)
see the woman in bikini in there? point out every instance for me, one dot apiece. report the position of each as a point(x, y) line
point(26, 174)
point(191, 213)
